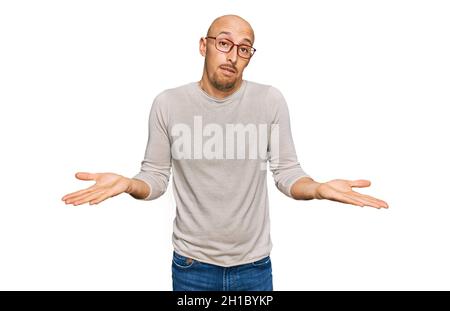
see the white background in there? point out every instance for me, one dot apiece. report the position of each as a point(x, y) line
point(367, 84)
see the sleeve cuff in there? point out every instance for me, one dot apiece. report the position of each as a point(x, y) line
point(150, 186)
point(293, 182)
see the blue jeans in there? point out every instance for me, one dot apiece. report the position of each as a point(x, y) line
point(192, 275)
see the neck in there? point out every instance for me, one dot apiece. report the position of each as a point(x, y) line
point(207, 86)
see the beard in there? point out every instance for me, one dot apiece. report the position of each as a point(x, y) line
point(222, 84)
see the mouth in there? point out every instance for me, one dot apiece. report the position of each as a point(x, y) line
point(227, 69)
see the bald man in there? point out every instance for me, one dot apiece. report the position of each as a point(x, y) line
point(217, 135)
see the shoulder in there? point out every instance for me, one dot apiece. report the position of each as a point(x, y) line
point(169, 97)
point(172, 93)
point(255, 87)
point(269, 91)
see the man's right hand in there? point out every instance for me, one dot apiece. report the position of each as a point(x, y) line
point(106, 186)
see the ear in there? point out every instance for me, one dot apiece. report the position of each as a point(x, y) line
point(202, 46)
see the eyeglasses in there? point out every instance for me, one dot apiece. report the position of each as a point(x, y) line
point(225, 45)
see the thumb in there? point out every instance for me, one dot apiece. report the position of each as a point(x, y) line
point(85, 176)
point(360, 183)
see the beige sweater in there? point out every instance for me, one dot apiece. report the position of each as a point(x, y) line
point(218, 150)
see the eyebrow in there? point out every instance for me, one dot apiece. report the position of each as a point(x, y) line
point(229, 33)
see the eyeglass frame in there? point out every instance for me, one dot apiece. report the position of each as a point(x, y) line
point(232, 47)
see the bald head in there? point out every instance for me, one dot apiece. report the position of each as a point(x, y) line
point(232, 23)
point(225, 64)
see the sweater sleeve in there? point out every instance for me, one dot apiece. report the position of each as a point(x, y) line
point(283, 163)
point(156, 165)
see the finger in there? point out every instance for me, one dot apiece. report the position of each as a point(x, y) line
point(346, 199)
point(85, 176)
point(359, 183)
point(364, 201)
point(77, 193)
point(88, 197)
point(81, 195)
point(373, 201)
point(101, 198)
point(380, 202)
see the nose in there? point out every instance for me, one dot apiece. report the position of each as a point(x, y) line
point(232, 55)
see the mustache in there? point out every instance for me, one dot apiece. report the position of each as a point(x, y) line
point(227, 66)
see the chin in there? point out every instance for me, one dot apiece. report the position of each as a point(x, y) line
point(224, 84)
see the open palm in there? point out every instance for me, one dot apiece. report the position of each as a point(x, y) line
point(340, 190)
point(106, 185)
